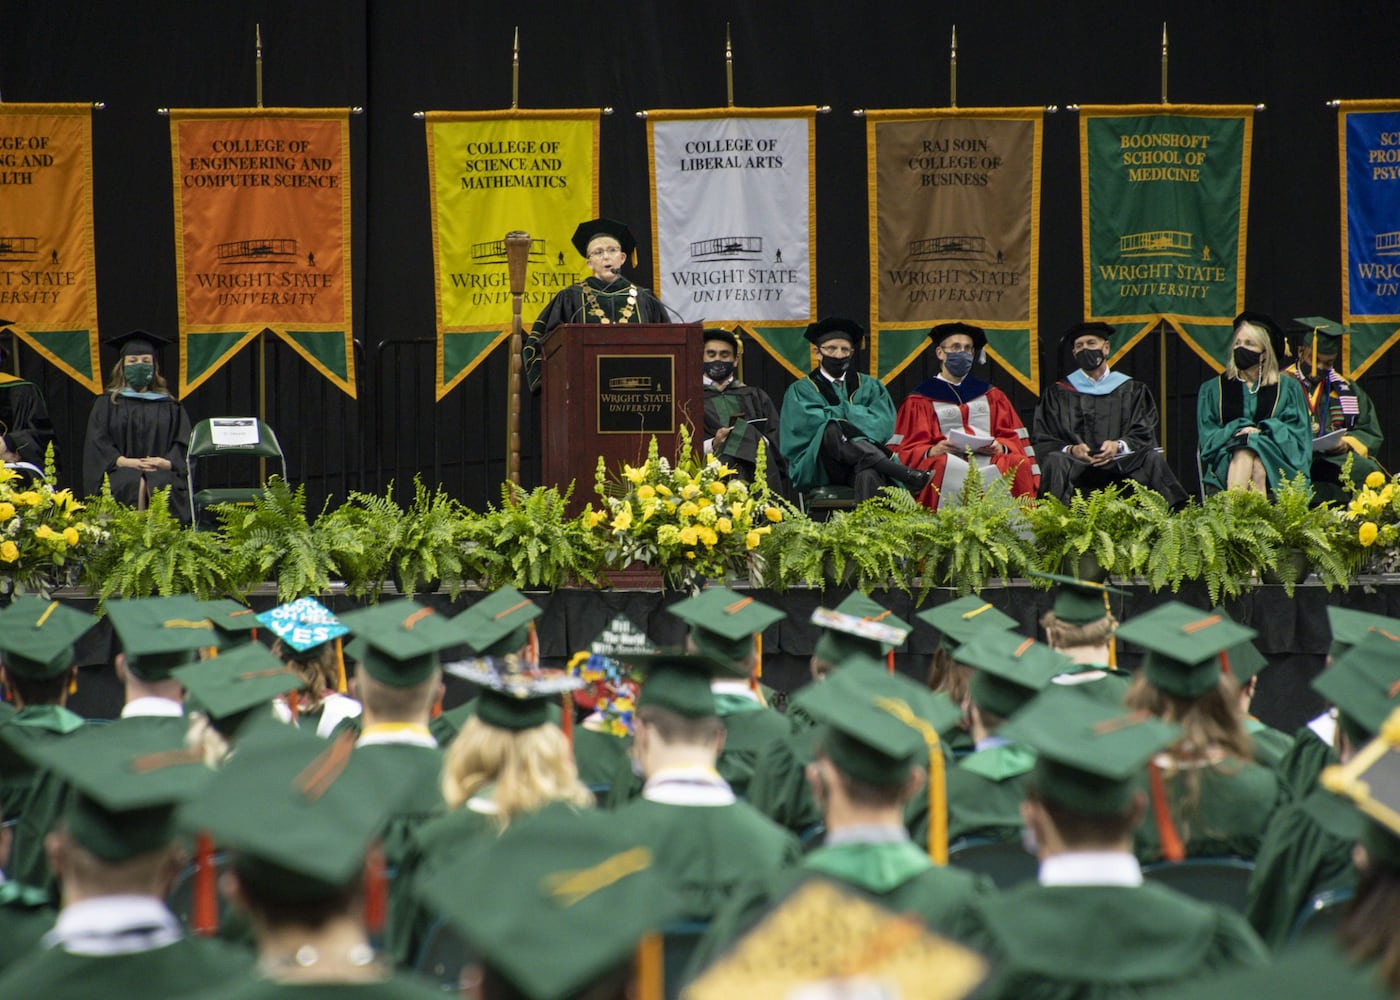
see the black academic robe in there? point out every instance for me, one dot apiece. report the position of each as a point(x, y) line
point(126, 426)
point(751, 403)
point(614, 300)
point(24, 421)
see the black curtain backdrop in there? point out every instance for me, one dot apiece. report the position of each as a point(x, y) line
point(394, 58)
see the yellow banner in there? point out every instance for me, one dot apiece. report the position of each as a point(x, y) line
point(48, 283)
point(490, 173)
point(262, 236)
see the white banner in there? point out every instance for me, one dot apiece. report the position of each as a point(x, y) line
point(732, 204)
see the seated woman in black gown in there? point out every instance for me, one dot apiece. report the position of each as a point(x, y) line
point(138, 434)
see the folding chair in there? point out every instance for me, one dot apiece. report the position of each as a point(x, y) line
point(1005, 862)
point(227, 438)
point(1211, 880)
point(1320, 916)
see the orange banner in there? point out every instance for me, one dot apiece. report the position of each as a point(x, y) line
point(262, 231)
point(48, 284)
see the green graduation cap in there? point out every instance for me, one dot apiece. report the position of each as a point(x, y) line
point(1088, 754)
point(1245, 661)
point(499, 623)
point(878, 724)
point(1079, 602)
point(847, 636)
point(1364, 684)
point(235, 622)
point(678, 682)
point(517, 699)
point(299, 812)
point(126, 783)
point(723, 624)
point(37, 636)
point(1011, 670)
point(571, 896)
point(1328, 333)
point(1371, 779)
point(1184, 646)
point(158, 634)
point(237, 681)
point(1350, 626)
point(964, 619)
point(398, 643)
point(302, 625)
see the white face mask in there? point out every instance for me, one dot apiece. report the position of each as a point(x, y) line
point(1029, 842)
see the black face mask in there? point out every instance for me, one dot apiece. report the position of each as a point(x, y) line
point(1088, 359)
point(1246, 359)
point(835, 367)
point(958, 363)
point(719, 371)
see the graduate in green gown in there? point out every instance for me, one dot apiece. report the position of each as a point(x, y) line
point(872, 756)
point(36, 668)
point(300, 815)
point(309, 639)
point(702, 836)
point(157, 635)
point(779, 788)
point(1090, 927)
point(1081, 625)
point(1208, 798)
point(115, 856)
point(1253, 424)
point(1307, 847)
point(957, 622)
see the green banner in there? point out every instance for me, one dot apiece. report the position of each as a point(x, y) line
point(1165, 205)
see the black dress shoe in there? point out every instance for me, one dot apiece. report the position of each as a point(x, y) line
point(918, 480)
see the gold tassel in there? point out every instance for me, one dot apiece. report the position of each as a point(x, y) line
point(650, 968)
point(341, 684)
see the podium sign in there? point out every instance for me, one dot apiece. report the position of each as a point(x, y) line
point(608, 389)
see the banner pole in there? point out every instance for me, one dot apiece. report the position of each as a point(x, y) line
point(953, 71)
point(1164, 62)
point(262, 397)
point(1162, 328)
point(257, 62)
point(515, 71)
point(517, 262)
point(728, 66)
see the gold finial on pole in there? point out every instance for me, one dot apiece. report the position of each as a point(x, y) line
point(515, 71)
point(1164, 62)
point(953, 71)
point(257, 60)
point(517, 264)
point(728, 66)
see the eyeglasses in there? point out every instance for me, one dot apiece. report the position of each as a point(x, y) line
point(836, 352)
point(603, 251)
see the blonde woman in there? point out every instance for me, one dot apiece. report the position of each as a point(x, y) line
point(1254, 427)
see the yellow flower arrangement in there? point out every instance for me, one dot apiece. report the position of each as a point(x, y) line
point(1374, 513)
point(691, 518)
point(43, 541)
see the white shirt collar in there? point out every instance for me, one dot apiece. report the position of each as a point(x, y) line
point(150, 705)
point(114, 925)
point(1091, 868)
point(412, 736)
point(829, 378)
point(721, 386)
point(688, 786)
point(734, 688)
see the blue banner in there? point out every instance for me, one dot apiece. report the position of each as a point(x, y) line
point(1369, 140)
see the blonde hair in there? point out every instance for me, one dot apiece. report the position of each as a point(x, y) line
point(202, 736)
point(1060, 634)
point(529, 768)
point(116, 380)
point(1268, 364)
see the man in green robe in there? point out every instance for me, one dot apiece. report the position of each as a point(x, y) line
point(115, 856)
point(701, 835)
point(836, 421)
point(1090, 926)
point(1341, 411)
point(1307, 846)
point(36, 667)
point(157, 635)
point(871, 759)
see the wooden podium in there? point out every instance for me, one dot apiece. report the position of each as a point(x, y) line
point(608, 389)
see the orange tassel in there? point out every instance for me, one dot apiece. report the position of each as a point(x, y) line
point(437, 705)
point(566, 716)
point(294, 703)
point(651, 971)
point(1172, 848)
point(204, 914)
point(889, 660)
point(758, 655)
point(376, 892)
point(1225, 663)
point(341, 684)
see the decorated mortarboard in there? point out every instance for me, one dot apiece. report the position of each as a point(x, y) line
point(835, 326)
point(677, 682)
point(1184, 646)
point(823, 942)
point(499, 623)
point(1079, 601)
point(137, 342)
point(1371, 779)
point(303, 624)
point(1010, 670)
point(943, 331)
point(878, 725)
point(857, 626)
point(1327, 333)
point(572, 897)
point(1364, 684)
point(298, 811)
point(237, 681)
point(1088, 754)
point(723, 624)
point(398, 643)
point(236, 622)
point(37, 636)
point(1350, 626)
point(126, 784)
point(1278, 341)
point(158, 634)
point(588, 231)
point(516, 699)
point(964, 619)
